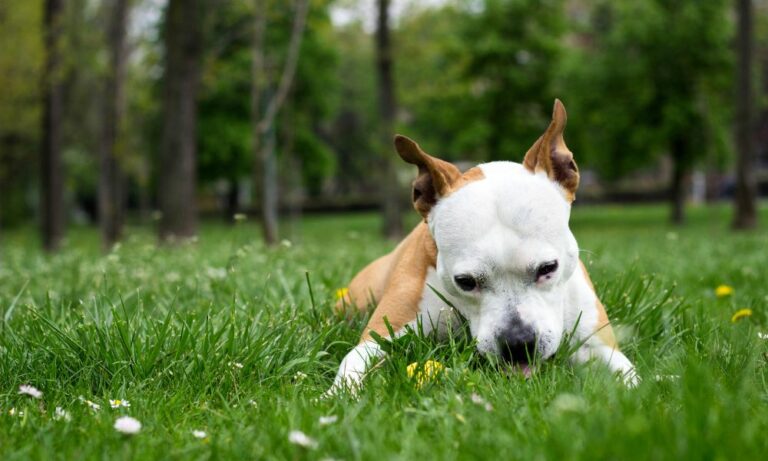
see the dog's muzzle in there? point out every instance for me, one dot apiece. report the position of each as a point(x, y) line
point(517, 343)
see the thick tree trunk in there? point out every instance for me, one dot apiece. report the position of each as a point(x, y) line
point(178, 170)
point(110, 174)
point(745, 199)
point(52, 181)
point(390, 190)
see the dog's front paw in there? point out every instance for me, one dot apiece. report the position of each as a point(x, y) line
point(630, 378)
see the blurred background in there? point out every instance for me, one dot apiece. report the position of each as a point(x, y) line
point(165, 113)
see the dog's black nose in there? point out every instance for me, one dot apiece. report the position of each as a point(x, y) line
point(517, 344)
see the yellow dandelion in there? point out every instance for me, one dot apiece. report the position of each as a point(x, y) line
point(424, 373)
point(740, 314)
point(341, 293)
point(723, 290)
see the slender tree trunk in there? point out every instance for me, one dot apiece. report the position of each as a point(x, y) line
point(679, 184)
point(178, 169)
point(232, 207)
point(52, 187)
point(263, 125)
point(110, 174)
point(390, 200)
point(745, 200)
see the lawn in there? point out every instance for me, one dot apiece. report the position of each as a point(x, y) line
point(226, 337)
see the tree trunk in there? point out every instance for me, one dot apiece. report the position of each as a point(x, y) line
point(745, 199)
point(110, 174)
point(52, 181)
point(265, 170)
point(680, 173)
point(390, 199)
point(178, 170)
point(232, 206)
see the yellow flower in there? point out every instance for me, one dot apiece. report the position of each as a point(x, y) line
point(740, 314)
point(341, 293)
point(723, 290)
point(425, 373)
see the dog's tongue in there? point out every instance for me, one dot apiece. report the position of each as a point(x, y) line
point(525, 369)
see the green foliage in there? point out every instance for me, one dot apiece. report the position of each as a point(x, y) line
point(21, 61)
point(224, 336)
point(225, 127)
point(657, 81)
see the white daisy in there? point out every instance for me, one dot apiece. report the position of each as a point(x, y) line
point(326, 420)
point(477, 400)
point(61, 414)
point(119, 403)
point(301, 439)
point(92, 405)
point(31, 391)
point(127, 425)
point(198, 434)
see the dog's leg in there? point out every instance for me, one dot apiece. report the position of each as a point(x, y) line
point(599, 342)
point(399, 306)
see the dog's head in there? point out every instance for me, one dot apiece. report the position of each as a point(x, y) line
point(505, 250)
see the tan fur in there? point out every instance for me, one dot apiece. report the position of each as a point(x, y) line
point(395, 282)
point(604, 331)
point(550, 154)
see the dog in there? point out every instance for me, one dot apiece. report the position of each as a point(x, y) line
point(494, 245)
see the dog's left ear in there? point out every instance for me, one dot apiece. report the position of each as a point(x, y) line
point(550, 154)
point(435, 178)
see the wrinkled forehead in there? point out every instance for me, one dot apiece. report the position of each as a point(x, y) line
point(510, 204)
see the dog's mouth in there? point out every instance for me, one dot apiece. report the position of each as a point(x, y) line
point(519, 357)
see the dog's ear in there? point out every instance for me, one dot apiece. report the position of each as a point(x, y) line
point(550, 154)
point(435, 176)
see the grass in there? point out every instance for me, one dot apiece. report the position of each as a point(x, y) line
point(226, 337)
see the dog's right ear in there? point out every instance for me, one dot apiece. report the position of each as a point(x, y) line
point(435, 179)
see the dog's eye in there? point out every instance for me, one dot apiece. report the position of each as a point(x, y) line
point(465, 282)
point(546, 269)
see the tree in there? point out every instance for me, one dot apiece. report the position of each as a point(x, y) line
point(745, 199)
point(654, 84)
point(21, 64)
point(266, 105)
point(390, 190)
point(177, 175)
point(110, 175)
point(51, 174)
point(512, 55)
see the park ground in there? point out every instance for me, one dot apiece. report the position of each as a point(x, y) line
point(236, 342)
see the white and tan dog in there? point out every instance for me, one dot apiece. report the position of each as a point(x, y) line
point(495, 243)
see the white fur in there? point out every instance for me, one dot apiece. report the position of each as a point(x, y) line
point(503, 227)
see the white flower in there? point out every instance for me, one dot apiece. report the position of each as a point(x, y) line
point(92, 405)
point(127, 425)
point(569, 403)
point(762, 335)
point(326, 420)
point(299, 376)
point(216, 273)
point(14, 412)
point(252, 403)
point(31, 391)
point(301, 439)
point(198, 434)
point(61, 415)
point(659, 378)
point(477, 400)
point(235, 365)
point(119, 403)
